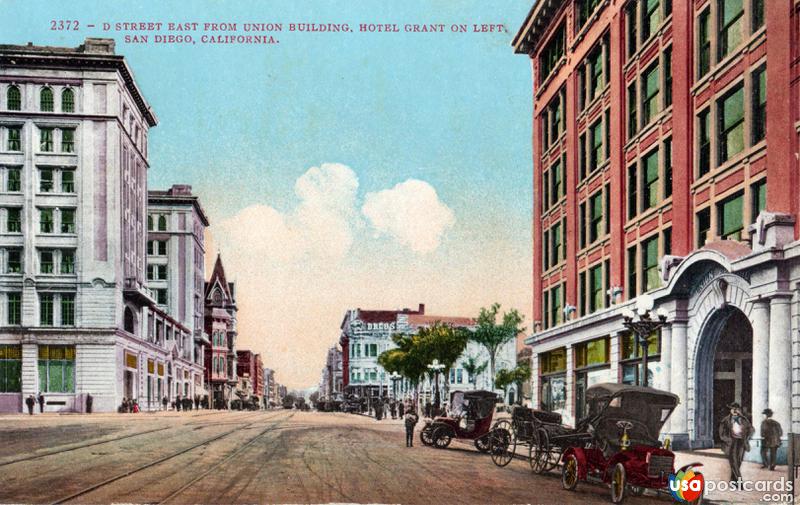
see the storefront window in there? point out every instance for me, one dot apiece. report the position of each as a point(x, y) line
point(57, 368)
point(554, 394)
point(10, 368)
point(553, 361)
point(591, 353)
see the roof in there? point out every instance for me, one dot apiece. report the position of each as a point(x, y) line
point(536, 23)
point(218, 276)
point(731, 249)
point(377, 316)
point(614, 389)
point(424, 320)
point(178, 194)
point(93, 54)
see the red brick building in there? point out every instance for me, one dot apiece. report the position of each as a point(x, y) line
point(220, 325)
point(249, 365)
point(665, 142)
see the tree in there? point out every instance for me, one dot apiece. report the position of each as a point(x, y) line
point(492, 335)
point(473, 369)
point(518, 375)
point(444, 343)
point(503, 379)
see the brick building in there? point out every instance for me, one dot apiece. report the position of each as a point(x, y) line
point(220, 325)
point(665, 162)
point(249, 365)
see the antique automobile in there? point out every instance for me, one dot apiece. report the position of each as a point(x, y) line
point(624, 453)
point(469, 418)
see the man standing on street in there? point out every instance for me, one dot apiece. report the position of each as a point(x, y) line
point(30, 401)
point(771, 433)
point(735, 431)
point(41, 403)
point(410, 421)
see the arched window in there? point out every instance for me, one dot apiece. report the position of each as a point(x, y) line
point(68, 100)
point(130, 321)
point(162, 223)
point(13, 98)
point(150, 222)
point(46, 100)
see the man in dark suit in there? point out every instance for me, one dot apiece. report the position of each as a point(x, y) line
point(771, 433)
point(41, 403)
point(735, 431)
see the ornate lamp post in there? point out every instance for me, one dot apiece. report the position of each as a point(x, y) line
point(642, 325)
point(394, 377)
point(436, 367)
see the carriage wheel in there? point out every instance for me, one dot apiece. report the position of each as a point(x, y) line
point(618, 483)
point(442, 436)
point(535, 454)
point(548, 454)
point(426, 435)
point(483, 443)
point(502, 443)
point(569, 473)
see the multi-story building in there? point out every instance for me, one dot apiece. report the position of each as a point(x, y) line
point(249, 365)
point(365, 334)
point(281, 393)
point(270, 387)
point(331, 380)
point(220, 325)
point(665, 162)
point(75, 315)
point(176, 225)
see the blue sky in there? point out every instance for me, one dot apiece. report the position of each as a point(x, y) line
point(243, 124)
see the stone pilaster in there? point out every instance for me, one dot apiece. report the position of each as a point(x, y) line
point(780, 360)
point(761, 323)
point(679, 428)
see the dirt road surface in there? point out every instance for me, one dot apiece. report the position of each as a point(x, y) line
point(256, 457)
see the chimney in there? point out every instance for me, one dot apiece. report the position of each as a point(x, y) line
point(98, 45)
point(422, 308)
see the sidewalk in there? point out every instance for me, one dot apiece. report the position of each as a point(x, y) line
point(715, 468)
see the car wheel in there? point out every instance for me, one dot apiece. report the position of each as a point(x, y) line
point(426, 435)
point(569, 473)
point(482, 443)
point(442, 437)
point(618, 483)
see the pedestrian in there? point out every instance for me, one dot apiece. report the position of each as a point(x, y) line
point(196, 402)
point(178, 403)
point(735, 431)
point(410, 420)
point(428, 408)
point(400, 409)
point(135, 408)
point(164, 402)
point(187, 403)
point(30, 401)
point(393, 409)
point(378, 409)
point(771, 433)
point(41, 403)
point(89, 402)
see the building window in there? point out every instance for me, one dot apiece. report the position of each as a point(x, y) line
point(633, 119)
point(67, 309)
point(585, 10)
point(592, 353)
point(14, 138)
point(46, 139)
point(650, 87)
point(161, 296)
point(650, 264)
point(552, 53)
point(149, 222)
point(631, 355)
point(14, 261)
point(46, 262)
point(13, 98)
point(731, 21)
point(67, 261)
point(46, 220)
point(630, 18)
point(57, 368)
point(666, 237)
point(582, 294)
point(731, 124)
point(759, 103)
point(668, 77)
point(556, 185)
point(10, 368)
point(68, 181)
point(582, 157)
point(758, 192)
point(704, 143)
point(45, 180)
point(68, 100)
point(632, 196)
point(703, 226)
point(14, 220)
point(46, 100)
point(668, 168)
point(546, 250)
point(632, 276)
point(582, 101)
point(162, 223)
point(595, 73)
point(13, 182)
point(46, 309)
point(704, 44)
point(651, 18)
point(67, 140)
point(555, 242)
point(555, 305)
point(14, 308)
point(595, 288)
point(595, 216)
point(157, 247)
point(650, 193)
point(596, 151)
point(67, 221)
point(757, 15)
point(730, 218)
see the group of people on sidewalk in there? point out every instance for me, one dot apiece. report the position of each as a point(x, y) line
point(384, 407)
point(735, 432)
point(31, 401)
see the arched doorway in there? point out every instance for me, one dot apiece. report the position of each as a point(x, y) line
point(724, 372)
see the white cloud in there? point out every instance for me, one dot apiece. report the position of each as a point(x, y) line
point(411, 213)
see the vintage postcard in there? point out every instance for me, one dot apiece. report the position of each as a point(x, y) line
point(401, 252)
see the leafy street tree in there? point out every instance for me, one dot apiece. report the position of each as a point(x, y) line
point(493, 335)
point(517, 375)
point(503, 379)
point(444, 343)
point(473, 369)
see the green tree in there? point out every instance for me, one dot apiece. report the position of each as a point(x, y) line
point(521, 374)
point(473, 369)
point(444, 343)
point(503, 379)
point(493, 335)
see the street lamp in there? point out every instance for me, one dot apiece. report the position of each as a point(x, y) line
point(394, 377)
point(436, 367)
point(642, 325)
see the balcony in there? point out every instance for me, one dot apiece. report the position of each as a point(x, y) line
point(137, 292)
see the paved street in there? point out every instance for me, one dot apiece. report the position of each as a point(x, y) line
point(254, 457)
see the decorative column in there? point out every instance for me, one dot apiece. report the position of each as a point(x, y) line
point(761, 355)
point(664, 379)
point(679, 428)
point(535, 381)
point(570, 387)
point(780, 360)
point(613, 356)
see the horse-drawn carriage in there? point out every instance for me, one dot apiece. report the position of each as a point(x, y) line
point(616, 444)
point(470, 418)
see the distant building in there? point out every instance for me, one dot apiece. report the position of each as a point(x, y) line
point(220, 324)
point(331, 380)
point(249, 365)
point(270, 387)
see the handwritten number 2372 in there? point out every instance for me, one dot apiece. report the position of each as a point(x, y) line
point(62, 25)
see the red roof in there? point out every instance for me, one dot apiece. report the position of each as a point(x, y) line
point(378, 316)
point(425, 320)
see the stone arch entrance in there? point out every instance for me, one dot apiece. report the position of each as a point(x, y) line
point(723, 371)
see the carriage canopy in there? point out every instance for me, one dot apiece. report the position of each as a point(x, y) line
point(476, 404)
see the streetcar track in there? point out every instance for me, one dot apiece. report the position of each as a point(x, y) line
point(143, 467)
